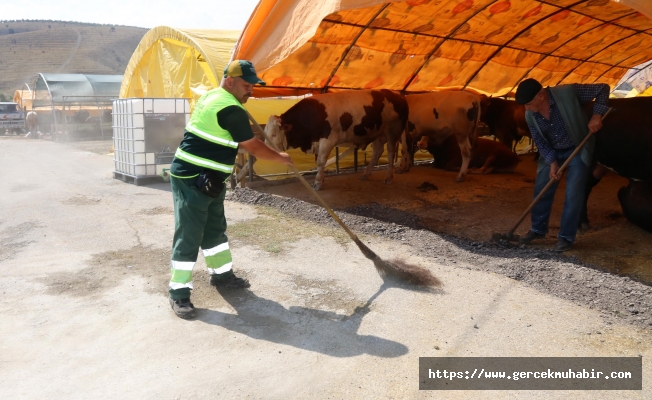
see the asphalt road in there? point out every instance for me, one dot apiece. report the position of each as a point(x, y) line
point(84, 314)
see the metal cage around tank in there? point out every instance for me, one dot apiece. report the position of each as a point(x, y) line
point(146, 133)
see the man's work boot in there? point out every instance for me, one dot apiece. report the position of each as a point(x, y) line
point(229, 280)
point(562, 245)
point(530, 237)
point(183, 308)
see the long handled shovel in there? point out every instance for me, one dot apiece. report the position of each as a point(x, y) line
point(510, 234)
point(398, 269)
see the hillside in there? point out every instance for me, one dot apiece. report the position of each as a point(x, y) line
point(30, 47)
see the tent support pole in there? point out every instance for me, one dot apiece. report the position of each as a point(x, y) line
point(501, 47)
point(346, 52)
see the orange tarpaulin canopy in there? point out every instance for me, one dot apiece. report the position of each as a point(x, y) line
point(307, 46)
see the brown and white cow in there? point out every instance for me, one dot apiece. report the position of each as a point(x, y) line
point(488, 156)
point(505, 119)
point(319, 123)
point(439, 115)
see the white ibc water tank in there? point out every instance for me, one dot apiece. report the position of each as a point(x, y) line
point(146, 133)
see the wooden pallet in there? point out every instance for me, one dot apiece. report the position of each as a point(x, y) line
point(138, 181)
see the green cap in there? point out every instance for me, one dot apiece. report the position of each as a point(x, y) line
point(245, 70)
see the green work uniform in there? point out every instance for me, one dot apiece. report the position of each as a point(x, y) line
point(218, 123)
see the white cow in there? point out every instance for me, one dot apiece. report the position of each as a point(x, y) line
point(439, 115)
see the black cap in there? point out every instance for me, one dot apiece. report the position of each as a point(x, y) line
point(527, 90)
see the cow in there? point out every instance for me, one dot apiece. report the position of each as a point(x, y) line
point(623, 145)
point(107, 116)
point(636, 202)
point(439, 115)
point(319, 123)
point(505, 119)
point(31, 123)
point(488, 156)
point(80, 116)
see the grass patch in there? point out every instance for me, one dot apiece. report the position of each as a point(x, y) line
point(272, 229)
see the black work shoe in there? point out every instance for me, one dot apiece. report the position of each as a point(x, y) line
point(183, 308)
point(530, 237)
point(562, 245)
point(229, 280)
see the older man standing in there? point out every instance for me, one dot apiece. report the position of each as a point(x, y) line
point(203, 162)
point(558, 124)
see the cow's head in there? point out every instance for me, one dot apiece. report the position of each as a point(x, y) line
point(275, 130)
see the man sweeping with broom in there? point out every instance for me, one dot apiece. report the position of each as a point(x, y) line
point(203, 162)
point(558, 125)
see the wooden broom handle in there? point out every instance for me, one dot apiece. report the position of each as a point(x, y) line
point(304, 181)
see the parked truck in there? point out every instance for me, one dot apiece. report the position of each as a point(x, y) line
point(12, 118)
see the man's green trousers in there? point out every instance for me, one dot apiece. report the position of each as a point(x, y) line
point(199, 221)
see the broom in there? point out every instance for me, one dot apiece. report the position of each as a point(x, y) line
point(398, 269)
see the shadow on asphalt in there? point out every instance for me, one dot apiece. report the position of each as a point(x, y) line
point(320, 331)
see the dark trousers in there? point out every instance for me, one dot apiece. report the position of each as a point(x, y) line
point(199, 221)
point(576, 175)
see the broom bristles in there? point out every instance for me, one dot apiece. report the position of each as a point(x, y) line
point(365, 250)
point(400, 269)
point(407, 272)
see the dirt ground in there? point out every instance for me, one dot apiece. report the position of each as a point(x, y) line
point(485, 204)
point(478, 207)
point(85, 266)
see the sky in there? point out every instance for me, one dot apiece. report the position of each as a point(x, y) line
point(198, 14)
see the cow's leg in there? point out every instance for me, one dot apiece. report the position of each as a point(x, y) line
point(486, 168)
point(465, 148)
point(324, 151)
point(488, 165)
point(391, 153)
point(595, 175)
point(378, 151)
point(406, 161)
point(406, 152)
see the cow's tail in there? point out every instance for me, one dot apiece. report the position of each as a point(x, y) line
point(473, 135)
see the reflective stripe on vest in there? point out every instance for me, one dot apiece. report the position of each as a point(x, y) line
point(203, 162)
point(203, 121)
point(211, 138)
